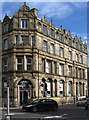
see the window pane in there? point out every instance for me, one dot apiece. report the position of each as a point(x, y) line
point(69, 42)
point(61, 52)
point(45, 45)
point(52, 48)
point(24, 23)
point(51, 32)
point(44, 29)
point(33, 42)
point(5, 44)
point(76, 45)
point(61, 69)
point(60, 37)
point(70, 55)
point(24, 38)
point(16, 40)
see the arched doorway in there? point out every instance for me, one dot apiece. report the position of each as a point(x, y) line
point(24, 91)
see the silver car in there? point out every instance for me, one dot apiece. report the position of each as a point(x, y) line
point(81, 102)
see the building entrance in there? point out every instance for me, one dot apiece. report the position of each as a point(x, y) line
point(24, 92)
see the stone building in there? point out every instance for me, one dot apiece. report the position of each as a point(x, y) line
point(41, 60)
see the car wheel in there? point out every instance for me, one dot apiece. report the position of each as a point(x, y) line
point(86, 107)
point(34, 109)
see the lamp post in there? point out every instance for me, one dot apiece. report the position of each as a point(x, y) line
point(8, 112)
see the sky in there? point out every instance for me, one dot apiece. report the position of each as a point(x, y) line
point(71, 15)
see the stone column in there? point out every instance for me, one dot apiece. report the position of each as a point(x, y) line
point(19, 39)
point(25, 65)
point(15, 63)
point(65, 89)
point(74, 88)
point(18, 95)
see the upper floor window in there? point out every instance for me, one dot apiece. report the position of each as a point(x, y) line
point(44, 29)
point(48, 66)
point(61, 69)
point(65, 37)
point(51, 33)
point(16, 40)
point(24, 38)
point(69, 71)
point(5, 44)
point(55, 65)
point(80, 47)
point(33, 41)
point(76, 57)
point(69, 41)
point(5, 27)
point(19, 63)
point(76, 45)
point(61, 37)
point(61, 52)
point(6, 65)
point(52, 48)
point(44, 45)
point(80, 58)
point(83, 74)
point(29, 63)
point(70, 55)
point(79, 73)
point(24, 23)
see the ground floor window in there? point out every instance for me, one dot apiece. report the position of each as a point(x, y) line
point(69, 88)
point(61, 88)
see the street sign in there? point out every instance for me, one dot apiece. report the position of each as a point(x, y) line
point(22, 90)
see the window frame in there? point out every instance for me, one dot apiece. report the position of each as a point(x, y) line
point(44, 29)
point(44, 46)
point(29, 64)
point(5, 44)
point(6, 65)
point(61, 52)
point(52, 48)
point(24, 25)
point(20, 64)
point(70, 55)
point(61, 69)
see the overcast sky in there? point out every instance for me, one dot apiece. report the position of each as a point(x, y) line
point(71, 15)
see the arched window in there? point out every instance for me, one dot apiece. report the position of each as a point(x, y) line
point(69, 88)
point(61, 88)
point(43, 85)
point(79, 89)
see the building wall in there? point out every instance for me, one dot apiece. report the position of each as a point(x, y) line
point(23, 49)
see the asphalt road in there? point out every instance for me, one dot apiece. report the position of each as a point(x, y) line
point(64, 112)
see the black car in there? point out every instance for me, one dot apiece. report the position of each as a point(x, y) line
point(41, 104)
point(87, 103)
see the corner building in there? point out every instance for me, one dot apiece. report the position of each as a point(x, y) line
point(41, 60)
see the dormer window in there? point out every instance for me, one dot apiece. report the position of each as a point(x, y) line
point(76, 45)
point(69, 41)
point(80, 47)
point(51, 33)
point(24, 23)
point(61, 37)
point(44, 29)
point(5, 27)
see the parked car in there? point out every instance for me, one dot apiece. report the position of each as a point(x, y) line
point(81, 102)
point(40, 105)
point(87, 103)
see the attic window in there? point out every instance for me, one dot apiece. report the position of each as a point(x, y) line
point(5, 27)
point(24, 23)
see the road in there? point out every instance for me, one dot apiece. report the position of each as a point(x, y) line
point(66, 112)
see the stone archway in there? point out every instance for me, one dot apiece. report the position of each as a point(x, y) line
point(25, 91)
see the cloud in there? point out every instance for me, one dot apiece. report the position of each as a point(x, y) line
point(53, 9)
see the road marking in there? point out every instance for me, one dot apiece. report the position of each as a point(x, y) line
point(53, 117)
